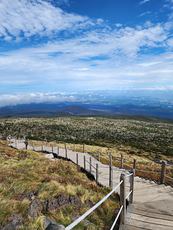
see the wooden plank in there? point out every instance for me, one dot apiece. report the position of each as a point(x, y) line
point(147, 213)
point(147, 225)
point(151, 220)
point(153, 190)
point(150, 209)
point(129, 227)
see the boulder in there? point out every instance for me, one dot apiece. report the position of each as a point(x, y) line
point(15, 216)
point(49, 224)
point(111, 198)
point(90, 205)
point(47, 221)
point(34, 208)
point(75, 201)
point(55, 227)
point(13, 225)
point(55, 203)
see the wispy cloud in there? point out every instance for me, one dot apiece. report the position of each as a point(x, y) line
point(144, 1)
point(89, 53)
point(145, 13)
point(105, 56)
point(23, 18)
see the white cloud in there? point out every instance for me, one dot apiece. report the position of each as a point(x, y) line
point(145, 13)
point(112, 58)
point(170, 42)
point(118, 25)
point(27, 98)
point(101, 56)
point(144, 1)
point(24, 18)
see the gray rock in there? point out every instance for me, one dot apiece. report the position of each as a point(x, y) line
point(15, 216)
point(90, 205)
point(47, 221)
point(29, 196)
point(13, 225)
point(75, 201)
point(63, 200)
point(53, 204)
point(111, 198)
point(55, 227)
point(34, 208)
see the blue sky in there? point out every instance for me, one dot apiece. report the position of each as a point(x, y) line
point(49, 46)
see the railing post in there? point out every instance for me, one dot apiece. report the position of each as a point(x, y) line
point(110, 159)
point(110, 176)
point(74, 147)
point(58, 150)
point(66, 153)
point(77, 159)
point(84, 162)
point(134, 166)
point(97, 173)
point(132, 186)
point(110, 172)
point(65, 145)
point(163, 172)
point(122, 199)
point(121, 160)
point(83, 148)
point(98, 155)
point(90, 164)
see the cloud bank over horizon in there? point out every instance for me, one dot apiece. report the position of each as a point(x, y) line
point(88, 97)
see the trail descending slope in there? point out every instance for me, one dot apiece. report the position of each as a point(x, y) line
point(153, 204)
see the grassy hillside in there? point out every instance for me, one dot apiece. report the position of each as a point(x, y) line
point(24, 172)
point(149, 137)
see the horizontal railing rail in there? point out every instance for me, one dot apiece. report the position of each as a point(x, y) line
point(92, 209)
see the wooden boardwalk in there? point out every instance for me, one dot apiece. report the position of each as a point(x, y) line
point(153, 204)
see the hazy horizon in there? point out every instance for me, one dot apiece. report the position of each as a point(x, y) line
point(61, 51)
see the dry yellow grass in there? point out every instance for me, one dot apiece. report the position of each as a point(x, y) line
point(25, 171)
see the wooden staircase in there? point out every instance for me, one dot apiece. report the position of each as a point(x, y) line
point(152, 207)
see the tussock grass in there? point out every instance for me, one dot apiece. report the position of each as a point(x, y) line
point(27, 171)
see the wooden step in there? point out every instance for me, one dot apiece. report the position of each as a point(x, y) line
point(149, 187)
point(151, 208)
point(154, 197)
point(153, 189)
point(147, 225)
point(152, 214)
point(128, 227)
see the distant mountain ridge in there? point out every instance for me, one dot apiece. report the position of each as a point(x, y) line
point(87, 109)
point(80, 110)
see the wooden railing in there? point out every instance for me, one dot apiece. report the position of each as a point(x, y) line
point(97, 154)
point(123, 197)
